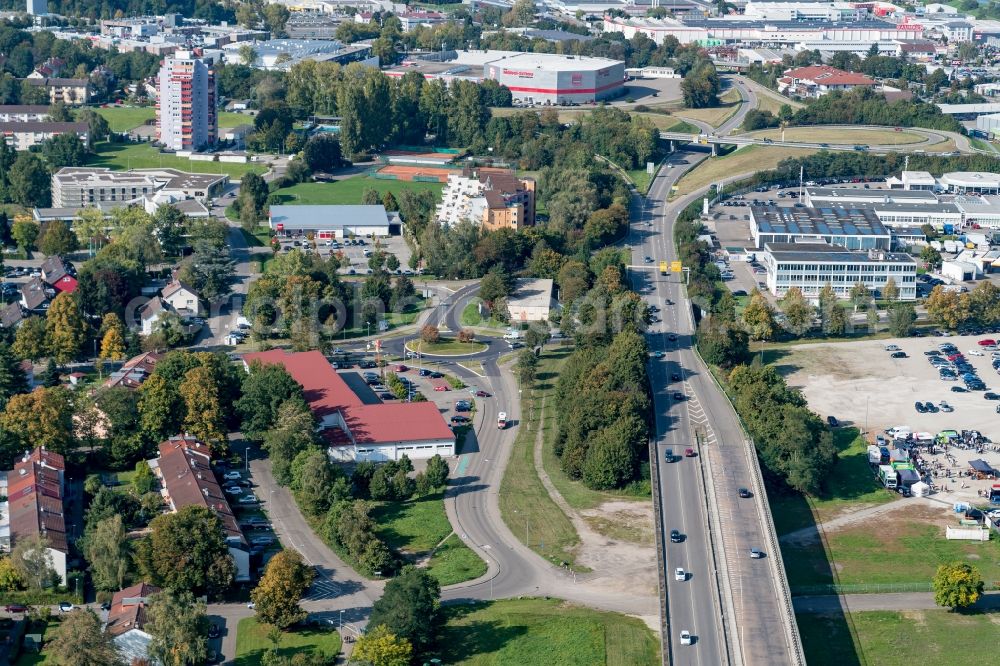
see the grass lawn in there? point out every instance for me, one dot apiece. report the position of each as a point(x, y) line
point(125, 118)
point(890, 638)
point(729, 104)
point(641, 179)
point(29, 658)
point(229, 119)
point(981, 144)
point(744, 160)
point(768, 103)
point(350, 191)
point(471, 317)
point(415, 527)
point(123, 156)
point(849, 486)
point(447, 347)
point(536, 631)
point(252, 642)
point(819, 134)
point(524, 502)
point(454, 562)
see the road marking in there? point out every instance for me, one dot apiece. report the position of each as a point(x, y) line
point(463, 462)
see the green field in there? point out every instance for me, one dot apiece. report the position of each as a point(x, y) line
point(228, 119)
point(849, 486)
point(525, 504)
point(471, 317)
point(536, 631)
point(144, 156)
point(900, 638)
point(350, 191)
point(746, 160)
point(415, 527)
point(252, 642)
point(729, 104)
point(125, 118)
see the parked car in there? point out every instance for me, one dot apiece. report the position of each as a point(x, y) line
point(991, 395)
point(233, 490)
point(15, 608)
point(919, 406)
point(892, 348)
point(248, 499)
point(385, 395)
point(232, 475)
point(959, 389)
point(945, 407)
point(66, 607)
point(460, 419)
point(400, 368)
point(832, 421)
point(898, 354)
point(442, 387)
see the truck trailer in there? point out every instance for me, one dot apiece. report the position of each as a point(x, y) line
point(887, 476)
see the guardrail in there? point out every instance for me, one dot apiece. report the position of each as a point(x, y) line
point(774, 551)
point(661, 554)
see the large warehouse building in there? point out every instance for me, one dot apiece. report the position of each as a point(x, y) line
point(334, 221)
point(533, 78)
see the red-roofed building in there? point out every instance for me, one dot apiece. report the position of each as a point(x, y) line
point(355, 430)
point(34, 491)
point(127, 621)
point(66, 284)
point(818, 80)
point(186, 477)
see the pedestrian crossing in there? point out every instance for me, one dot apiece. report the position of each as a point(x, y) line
point(322, 589)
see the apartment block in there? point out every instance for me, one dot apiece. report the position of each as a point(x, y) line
point(186, 108)
point(26, 135)
point(493, 198)
point(809, 266)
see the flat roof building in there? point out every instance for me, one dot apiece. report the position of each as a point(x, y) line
point(852, 229)
point(530, 300)
point(79, 187)
point(334, 221)
point(357, 431)
point(810, 266)
point(842, 196)
point(978, 182)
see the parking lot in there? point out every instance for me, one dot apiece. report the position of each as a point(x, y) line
point(356, 250)
point(860, 384)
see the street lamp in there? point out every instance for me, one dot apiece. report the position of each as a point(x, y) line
point(341, 622)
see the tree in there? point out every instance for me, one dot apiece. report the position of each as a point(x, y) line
point(391, 261)
point(29, 181)
point(210, 271)
point(380, 647)
point(107, 551)
point(65, 328)
point(285, 580)
point(58, 239)
point(798, 313)
point(33, 561)
point(29, 340)
point(179, 627)
point(160, 408)
point(902, 316)
point(521, 14)
point(527, 365)
point(437, 471)
point(293, 432)
point(10, 577)
point(957, 585)
point(409, 608)
point(24, 232)
point(312, 479)
point(890, 291)
point(43, 417)
point(170, 226)
point(931, 257)
point(64, 150)
point(758, 317)
point(700, 87)
point(186, 551)
point(80, 641)
point(322, 152)
point(12, 378)
point(947, 308)
point(860, 296)
point(265, 389)
point(247, 53)
point(495, 284)
point(430, 334)
point(203, 415)
point(113, 341)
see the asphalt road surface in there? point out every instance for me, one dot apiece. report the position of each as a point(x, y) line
point(746, 592)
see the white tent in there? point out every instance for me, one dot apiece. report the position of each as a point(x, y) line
point(920, 489)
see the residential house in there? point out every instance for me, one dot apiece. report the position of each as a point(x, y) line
point(48, 69)
point(492, 198)
point(35, 295)
point(24, 113)
point(26, 135)
point(150, 313)
point(187, 478)
point(73, 92)
point(818, 80)
point(59, 275)
point(134, 372)
point(181, 299)
point(35, 490)
point(11, 316)
point(127, 621)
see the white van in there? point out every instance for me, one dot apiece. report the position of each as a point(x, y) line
point(511, 335)
point(899, 432)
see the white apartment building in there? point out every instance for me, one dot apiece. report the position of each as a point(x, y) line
point(809, 266)
point(26, 135)
point(186, 106)
point(23, 113)
point(78, 187)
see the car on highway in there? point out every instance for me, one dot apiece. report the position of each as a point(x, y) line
point(648, 260)
point(689, 453)
point(668, 455)
point(744, 492)
point(675, 377)
point(685, 637)
point(672, 337)
point(657, 354)
point(680, 574)
point(675, 536)
point(678, 396)
point(756, 553)
point(482, 394)
point(441, 388)
point(423, 372)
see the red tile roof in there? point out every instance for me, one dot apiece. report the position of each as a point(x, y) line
point(128, 608)
point(186, 470)
point(66, 283)
point(829, 76)
point(35, 498)
point(135, 371)
point(328, 394)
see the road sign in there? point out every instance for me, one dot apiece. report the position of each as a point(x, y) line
point(650, 166)
point(675, 267)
